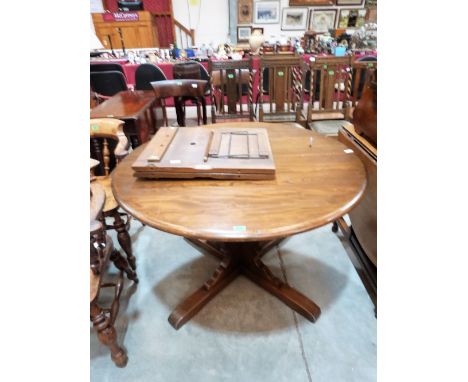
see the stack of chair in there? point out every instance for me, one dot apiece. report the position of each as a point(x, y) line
point(101, 252)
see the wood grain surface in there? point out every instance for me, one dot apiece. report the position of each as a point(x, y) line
point(314, 185)
point(198, 152)
point(124, 105)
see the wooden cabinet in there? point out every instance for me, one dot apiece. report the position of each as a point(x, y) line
point(138, 33)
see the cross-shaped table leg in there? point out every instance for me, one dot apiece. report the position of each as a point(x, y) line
point(240, 258)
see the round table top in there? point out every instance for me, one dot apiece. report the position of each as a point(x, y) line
point(314, 185)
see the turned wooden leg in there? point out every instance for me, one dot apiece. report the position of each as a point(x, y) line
point(123, 237)
point(107, 335)
point(205, 117)
point(226, 271)
point(123, 265)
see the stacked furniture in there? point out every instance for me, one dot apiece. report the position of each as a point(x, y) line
point(190, 70)
point(109, 146)
point(180, 90)
point(101, 252)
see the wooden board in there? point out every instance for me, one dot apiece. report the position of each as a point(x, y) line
point(221, 153)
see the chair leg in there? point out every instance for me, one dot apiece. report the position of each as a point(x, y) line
point(198, 112)
point(343, 226)
point(122, 264)
point(107, 335)
point(256, 103)
point(205, 117)
point(123, 237)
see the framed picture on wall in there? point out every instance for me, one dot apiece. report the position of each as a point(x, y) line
point(312, 2)
point(321, 20)
point(294, 19)
point(352, 18)
point(243, 33)
point(267, 12)
point(349, 2)
point(260, 30)
point(244, 11)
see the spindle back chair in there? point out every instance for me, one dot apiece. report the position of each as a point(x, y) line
point(103, 133)
point(286, 79)
point(101, 251)
point(227, 88)
point(360, 72)
point(108, 143)
point(334, 89)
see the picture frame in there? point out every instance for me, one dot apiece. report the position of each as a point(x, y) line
point(350, 2)
point(243, 33)
point(244, 11)
point(261, 30)
point(267, 12)
point(351, 18)
point(311, 3)
point(321, 20)
point(294, 19)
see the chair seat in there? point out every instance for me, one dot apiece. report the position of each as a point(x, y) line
point(329, 128)
point(320, 116)
point(106, 184)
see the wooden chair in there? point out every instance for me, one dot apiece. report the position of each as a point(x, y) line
point(180, 89)
point(101, 251)
point(361, 71)
point(285, 76)
point(331, 102)
point(230, 81)
point(190, 70)
point(109, 146)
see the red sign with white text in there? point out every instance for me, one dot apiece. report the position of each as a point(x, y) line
point(121, 16)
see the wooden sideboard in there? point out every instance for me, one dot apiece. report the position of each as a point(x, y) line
point(141, 33)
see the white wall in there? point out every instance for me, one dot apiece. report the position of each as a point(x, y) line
point(214, 20)
point(213, 25)
point(275, 29)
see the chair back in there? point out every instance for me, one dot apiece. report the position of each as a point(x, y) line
point(147, 73)
point(106, 67)
point(230, 81)
point(187, 70)
point(331, 101)
point(178, 88)
point(362, 70)
point(108, 83)
point(191, 70)
point(286, 78)
point(108, 143)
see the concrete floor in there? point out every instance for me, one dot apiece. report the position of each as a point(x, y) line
point(244, 334)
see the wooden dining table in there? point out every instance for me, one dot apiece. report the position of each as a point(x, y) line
point(317, 181)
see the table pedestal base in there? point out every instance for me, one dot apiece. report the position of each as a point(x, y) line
point(241, 258)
